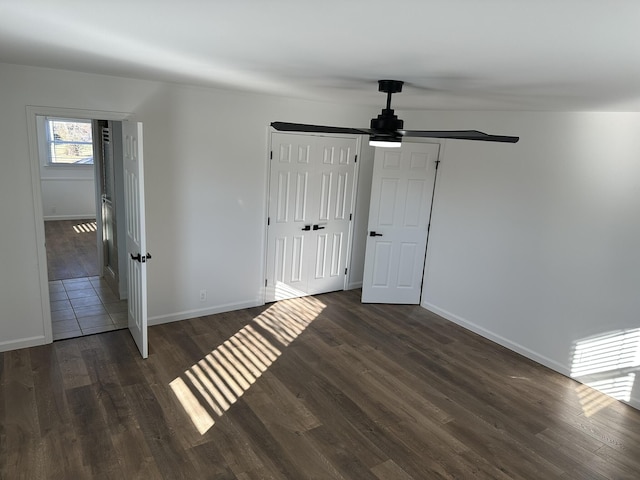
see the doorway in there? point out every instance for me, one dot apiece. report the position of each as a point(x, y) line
point(81, 183)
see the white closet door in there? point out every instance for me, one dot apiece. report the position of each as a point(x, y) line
point(310, 206)
point(401, 194)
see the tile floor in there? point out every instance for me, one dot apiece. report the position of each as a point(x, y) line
point(82, 306)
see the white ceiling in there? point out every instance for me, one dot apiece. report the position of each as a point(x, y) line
point(454, 54)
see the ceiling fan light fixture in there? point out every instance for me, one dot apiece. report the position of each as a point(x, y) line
point(385, 142)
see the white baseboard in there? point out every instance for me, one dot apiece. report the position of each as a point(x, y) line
point(505, 342)
point(22, 343)
point(354, 285)
point(187, 314)
point(91, 216)
point(515, 347)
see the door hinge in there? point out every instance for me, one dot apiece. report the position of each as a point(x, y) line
point(350, 216)
point(355, 160)
point(437, 163)
point(265, 282)
point(268, 221)
point(345, 271)
point(271, 155)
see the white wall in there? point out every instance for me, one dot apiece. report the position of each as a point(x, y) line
point(69, 197)
point(536, 245)
point(205, 166)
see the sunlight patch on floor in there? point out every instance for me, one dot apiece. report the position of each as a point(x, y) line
point(211, 386)
point(85, 227)
point(283, 291)
point(607, 363)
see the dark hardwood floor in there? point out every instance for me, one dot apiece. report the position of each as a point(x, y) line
point(71, 249)
point(320, 387)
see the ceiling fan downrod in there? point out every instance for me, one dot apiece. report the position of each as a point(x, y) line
point(389, 87)
point(387, 123)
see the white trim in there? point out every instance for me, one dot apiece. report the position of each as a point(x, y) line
point(68, 166)
point(23, 343)
point(203, 312)
point(67, 179)
point(41, 253)
point(265, 225)
point(483, 332)
point(352, 211)
point(354, 285)
point(515, 347)
point(51, 218)
point(32, 112)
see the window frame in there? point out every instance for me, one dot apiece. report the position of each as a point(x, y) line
point(49, 143)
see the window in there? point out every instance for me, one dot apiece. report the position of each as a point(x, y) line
point(69, 141)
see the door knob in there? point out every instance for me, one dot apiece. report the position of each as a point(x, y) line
point(374, 234)
point(306, 228)
point(318, 227)
point(141, 258)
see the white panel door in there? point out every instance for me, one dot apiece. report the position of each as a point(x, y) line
point(401, 194)
point(332, 202)
point(310, 204)
point(136, 237)
point(289, 216)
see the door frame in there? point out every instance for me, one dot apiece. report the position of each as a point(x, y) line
point(353, 206)
point(32, 112)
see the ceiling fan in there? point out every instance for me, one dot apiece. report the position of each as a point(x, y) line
point(387, 129)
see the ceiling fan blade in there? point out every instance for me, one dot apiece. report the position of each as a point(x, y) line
point(302, 127)
point(459, 135)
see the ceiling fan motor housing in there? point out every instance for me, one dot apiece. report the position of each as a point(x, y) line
point(390, 86)
point(387, 122)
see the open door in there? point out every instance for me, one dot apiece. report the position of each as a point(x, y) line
point(135, 230)
point(401, 194)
